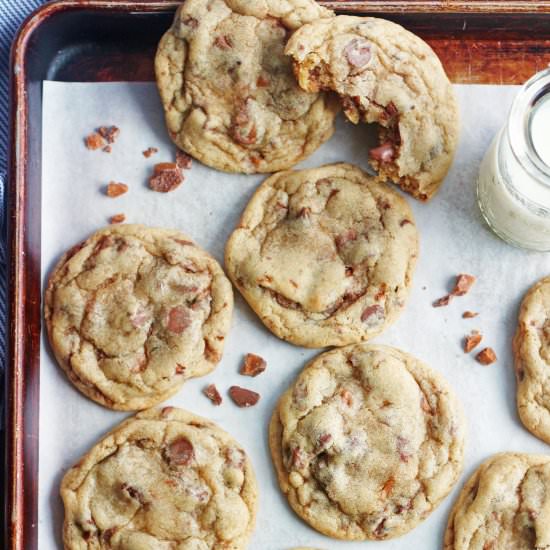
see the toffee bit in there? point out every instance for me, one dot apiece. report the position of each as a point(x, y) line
point(166, 177)
point(444, 301)
point(463, 284)
point(183, 160)
point(118, 218)
point(213, 394)
point(472, 341)
point(486, 356)
point(253, 365)
point(115, 189)
point(94, 141)
point(109, 133)
point(469, 314)
point(149, 152)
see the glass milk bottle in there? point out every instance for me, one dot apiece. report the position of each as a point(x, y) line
point(513, 186)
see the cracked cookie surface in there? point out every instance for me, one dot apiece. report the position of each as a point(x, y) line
point(505, 505)
point(228, 90)
point(532, 360)
point(385, 74)
point(367, 442)
point(163, 479)
point(324, 256)
point(134, 311)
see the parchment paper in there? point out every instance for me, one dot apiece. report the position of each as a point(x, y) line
point(453, 239)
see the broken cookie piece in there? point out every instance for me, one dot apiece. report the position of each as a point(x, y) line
point(386, 75)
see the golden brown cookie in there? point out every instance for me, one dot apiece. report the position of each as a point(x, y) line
point(324, 256)
point(163, 479)
point(532, 360)
point(505, 505)
point(134, 311)
point(387, 75)
point(229, 94)
point(367, 442)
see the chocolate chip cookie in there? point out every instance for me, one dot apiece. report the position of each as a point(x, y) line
point(367, 442)
point(134, 311)
point(386, 75)
point(532, 360)
point(504, 505)
point(163, 479)
point(324, 256)
point(229, 94)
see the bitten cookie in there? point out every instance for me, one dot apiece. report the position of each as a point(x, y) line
point(504, 505)
point(532, 360)
point(163, 479)
point(324, 256)
point(385, 74)
point(134, 311)
point(227, 87)
point(367, 442)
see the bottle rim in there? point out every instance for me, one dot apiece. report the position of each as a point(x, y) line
point(519, 126)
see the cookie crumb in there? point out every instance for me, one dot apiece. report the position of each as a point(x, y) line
point(115, 189)
point(94, 141)
point(149, 152)
point(107, 149)
point(183, 160)
point(118, 218)
point(472, 340)
point(463, 284)
point(253, 365)
point(243, 397)
point(486, 356)
point(166, 177)
point(469, 314)
point(213, 394)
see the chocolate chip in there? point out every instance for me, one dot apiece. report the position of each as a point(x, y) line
point(243, 397)
point(180, 452)
point(358, 52)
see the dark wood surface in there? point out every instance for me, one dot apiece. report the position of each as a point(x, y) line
point(95, 40)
